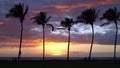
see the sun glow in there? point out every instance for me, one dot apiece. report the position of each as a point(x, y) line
point(56, 49)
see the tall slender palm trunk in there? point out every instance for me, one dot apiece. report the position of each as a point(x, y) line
point(115, 40)
point(68, 45)
point(19, 54)
point(43, 43)
point(89, 58)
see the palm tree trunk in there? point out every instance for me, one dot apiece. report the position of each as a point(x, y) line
point(115, 40)
point(43, 42)
point(19, 54)
point(91, 43)
point(68, 45)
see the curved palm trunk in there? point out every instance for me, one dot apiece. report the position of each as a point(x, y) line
point(19, 54)
point(115, 40)
point(68, 45)
point(89, 58)
point(43, 43)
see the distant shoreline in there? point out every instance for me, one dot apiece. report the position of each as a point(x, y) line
point(58, 58)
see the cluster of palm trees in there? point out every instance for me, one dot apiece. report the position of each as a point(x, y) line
point(88, 16)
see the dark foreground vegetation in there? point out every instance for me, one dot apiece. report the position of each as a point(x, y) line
point(62, 64)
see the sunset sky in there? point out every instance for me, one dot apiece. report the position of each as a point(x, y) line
point(56, 41)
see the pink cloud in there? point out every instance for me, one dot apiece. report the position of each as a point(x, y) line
point(1, 22)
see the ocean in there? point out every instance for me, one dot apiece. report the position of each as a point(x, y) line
point(58, 58)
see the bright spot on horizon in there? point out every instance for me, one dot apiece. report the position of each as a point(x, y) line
point(56, 49)
point(56, 54)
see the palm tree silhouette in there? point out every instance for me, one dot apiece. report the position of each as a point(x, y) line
point(42, 19)
point(18, 11)
point(89, 17)
point(112, 15)
point(68, 23)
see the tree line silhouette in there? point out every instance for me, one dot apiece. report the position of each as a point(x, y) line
point(88, 16)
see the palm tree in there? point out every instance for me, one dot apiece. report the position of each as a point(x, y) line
point(89, 17)
point(18, 11)
point(112, 15)
point(68, 23)
point(42, 19)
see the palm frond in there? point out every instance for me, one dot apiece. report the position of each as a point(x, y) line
point(51, 26)
point(34, 21)
point(97, 13)
point(21, 6)
point(118, 19)
point(101, 18)
point(62, 23)
point(41, 19)
point(17, 11)
point(115, 9)
point(8, 15)
point(104, 24)
point(48, 18)
point(68, 22)
point(61, 28)
point(118, 15)
point(110, 14)
point(88, 16)
point(26, 10)
point(42, 16)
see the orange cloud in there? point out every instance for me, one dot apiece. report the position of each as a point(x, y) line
point(26, 43)
point(67, 8)
point(73, 6)
point(39, 42)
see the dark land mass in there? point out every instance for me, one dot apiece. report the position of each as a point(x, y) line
point(60, 64)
